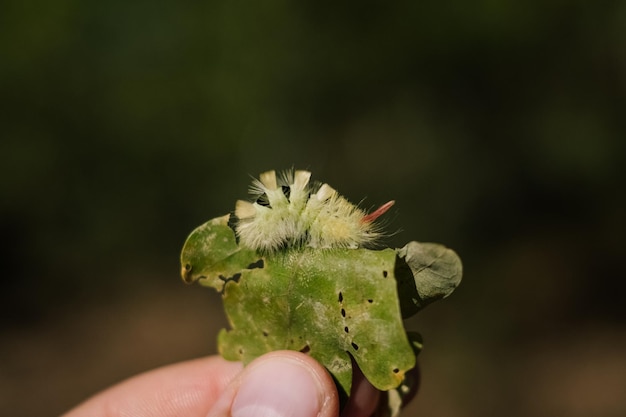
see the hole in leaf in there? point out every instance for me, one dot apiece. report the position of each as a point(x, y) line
point(257, 264)
point(370, 301)
point(345, 329)
point(340, 297)
point(306, 349)
point(343, 312)
point(265, 333)
point(226, 280)
point(385, 273)
point(355, 346)
point(235, 278)
point(396, 370)
point(187, 267)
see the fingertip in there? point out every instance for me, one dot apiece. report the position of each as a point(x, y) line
point(364, 397)
point(280, 384)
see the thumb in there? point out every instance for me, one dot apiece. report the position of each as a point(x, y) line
point(279, 384)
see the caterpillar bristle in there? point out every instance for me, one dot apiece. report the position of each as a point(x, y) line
point(256, 188)
point(285, 178)
point(268, 179)
point(289, 212)
point(244, 210)
point(301, 180)
point(325, 192)
point(378, 212)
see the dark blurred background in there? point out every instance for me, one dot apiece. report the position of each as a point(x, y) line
point(498, 127)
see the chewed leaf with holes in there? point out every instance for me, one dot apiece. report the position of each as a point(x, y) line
point(333, 304)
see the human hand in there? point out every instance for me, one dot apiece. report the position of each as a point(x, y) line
point(278, 384)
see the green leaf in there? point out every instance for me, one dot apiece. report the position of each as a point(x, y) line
point(333, 304)
point(434, 271)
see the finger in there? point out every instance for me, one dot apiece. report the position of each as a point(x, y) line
point(189, 388)
point(280, 384)
point(365, 400)
point(364, 397)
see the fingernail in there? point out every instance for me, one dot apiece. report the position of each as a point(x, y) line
point(278, 389)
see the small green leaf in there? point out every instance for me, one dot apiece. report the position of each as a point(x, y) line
point(429, 272)
point(333, 304)
point(211, 254)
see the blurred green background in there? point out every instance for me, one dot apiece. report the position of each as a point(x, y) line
point(498, 127)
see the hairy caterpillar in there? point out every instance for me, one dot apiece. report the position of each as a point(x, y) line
point(289, 211)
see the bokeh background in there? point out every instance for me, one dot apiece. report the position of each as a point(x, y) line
point(498, 127)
